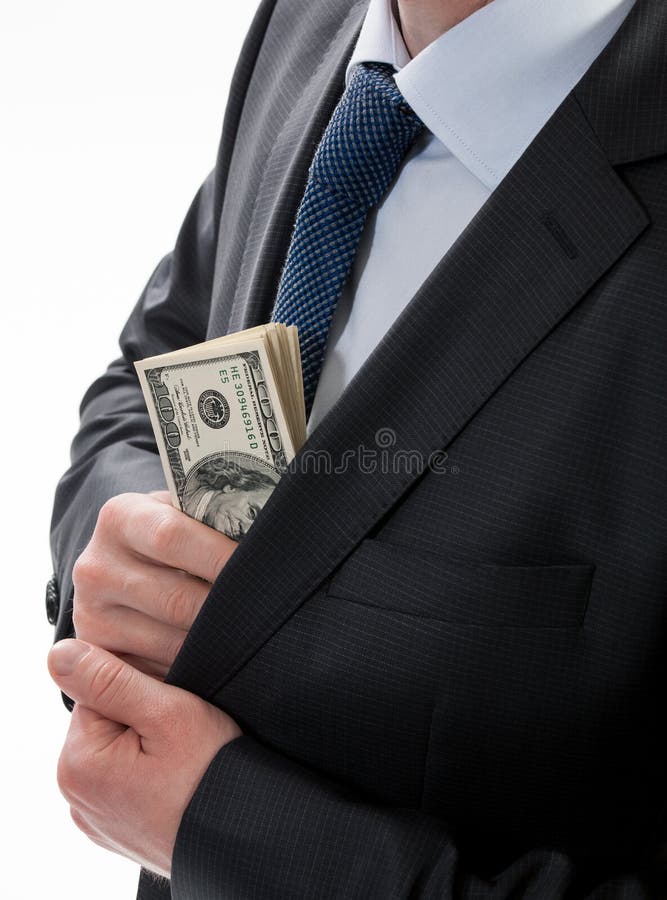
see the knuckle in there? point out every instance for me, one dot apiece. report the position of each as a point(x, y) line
point(90, 579)
point(89, 620)
point(165, 532)
point(161, 717)
point(111, 512)
point(171, 717)
point(221, 553)
point(217, 562)
point(81, 619)
point(165, 649)
point(106, 683)
point(80, 570)
point(88, 572)
point(114, 513)
point(174, 602)
point(174, 648)
point(178, 606)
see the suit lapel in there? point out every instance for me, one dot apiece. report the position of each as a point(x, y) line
point(624, 93)
point(559, 220)
point(247, 280)
point(548, 233)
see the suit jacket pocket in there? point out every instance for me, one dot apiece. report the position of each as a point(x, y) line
point(392, 577)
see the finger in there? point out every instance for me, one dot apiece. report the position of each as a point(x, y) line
point(93, 742)
point(103, 683)
point(148, 666)
point(166, 535)
point(90, 727)
point(162, 496)
point(168, 595)
point(124, 630)
point(160, 592)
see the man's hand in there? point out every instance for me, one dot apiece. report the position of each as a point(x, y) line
point(143, 578)
point(134, 754)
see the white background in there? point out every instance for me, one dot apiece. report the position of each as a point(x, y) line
point(109, 120)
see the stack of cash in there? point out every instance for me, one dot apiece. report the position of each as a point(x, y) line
point(228, 417)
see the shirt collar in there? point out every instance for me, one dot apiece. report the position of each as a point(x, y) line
point(380, 39)
point(487, 86)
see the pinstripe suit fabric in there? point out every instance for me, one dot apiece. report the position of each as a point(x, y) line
point(448, 664)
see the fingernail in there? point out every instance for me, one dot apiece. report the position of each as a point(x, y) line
point(66, 654)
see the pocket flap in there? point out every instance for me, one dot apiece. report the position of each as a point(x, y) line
point(424, 584)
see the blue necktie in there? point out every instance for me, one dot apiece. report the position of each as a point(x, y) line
point(369, 134)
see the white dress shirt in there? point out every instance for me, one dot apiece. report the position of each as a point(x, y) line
point(483, 90)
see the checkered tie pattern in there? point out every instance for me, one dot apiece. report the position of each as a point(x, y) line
point(367, 138)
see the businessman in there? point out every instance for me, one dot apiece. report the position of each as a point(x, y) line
point(435, 680)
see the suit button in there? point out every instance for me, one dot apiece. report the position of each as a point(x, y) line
point(52, 600)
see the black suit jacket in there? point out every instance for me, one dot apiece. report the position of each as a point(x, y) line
point(449, 667)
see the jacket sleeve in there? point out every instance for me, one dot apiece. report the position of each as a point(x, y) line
point(261, 827)
point(114, 450)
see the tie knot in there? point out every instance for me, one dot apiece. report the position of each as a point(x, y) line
point(369, 133)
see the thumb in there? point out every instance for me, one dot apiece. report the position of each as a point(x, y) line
point(100, 681)
point(162, 496)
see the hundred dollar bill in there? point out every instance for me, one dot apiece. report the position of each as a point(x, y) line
point(228, 417)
